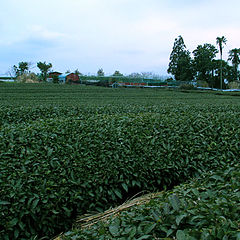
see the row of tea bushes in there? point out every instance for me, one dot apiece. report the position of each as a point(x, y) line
point(119, 104)
point(23, 114)
point(207, 208)
point(53, 169)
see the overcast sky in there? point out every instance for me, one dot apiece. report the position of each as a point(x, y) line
point(125, 35)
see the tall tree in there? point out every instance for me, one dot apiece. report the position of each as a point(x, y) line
point(220, 41)
point(100, 73)
point(234, 57)
point(22, 68)
point(44, 68)
point(227, 73)
point(203, 62)
point(117, 74)
point(180, 61)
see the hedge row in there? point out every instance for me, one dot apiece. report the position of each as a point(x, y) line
point(53, 169)
point(22, 114)
point(207, 208)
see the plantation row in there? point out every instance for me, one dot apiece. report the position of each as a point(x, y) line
point(67, 150)
point(54, 169)
point(207, 208)
point(43, 95)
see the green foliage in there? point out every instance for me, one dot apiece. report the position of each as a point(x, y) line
point(180, 61)
point(234, 56)
point(55, 79)
point(220, 41)
point(187, 87)
point(227, 73)
point(117, 73)
point(203, 67)
point(207, 208)
point(44, 68)
point(203, 61)
point(100, 72)
point(66, 150)
point(22, 68)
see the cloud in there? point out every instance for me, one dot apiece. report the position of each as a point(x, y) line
point(33, 45)
point(122, 34)
point(133, 52)
point(44, 33)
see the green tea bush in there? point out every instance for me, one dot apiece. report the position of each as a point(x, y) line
point(207, 208)
point(66, 150)
point(54, 169)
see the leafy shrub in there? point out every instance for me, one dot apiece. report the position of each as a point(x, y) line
point(234, 85)
point(187, 86)
point(55, 79)
point(202, 84)
point(65, 150)
point(206, 208)
point(28, 78)
point(44, 163)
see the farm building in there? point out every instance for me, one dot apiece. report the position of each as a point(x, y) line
point(68, 78)
point(51, 76)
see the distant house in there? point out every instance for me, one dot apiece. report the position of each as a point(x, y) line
point(68, 78)
point(51, 75)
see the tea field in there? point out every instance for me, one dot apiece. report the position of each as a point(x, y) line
point(66, 150)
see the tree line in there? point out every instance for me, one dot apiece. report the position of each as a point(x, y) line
point(23, 71)
point(204, 66)
point(200, 65)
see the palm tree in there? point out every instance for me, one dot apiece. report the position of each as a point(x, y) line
point(220, 41)
point(234, 56)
